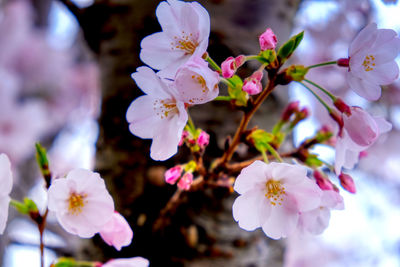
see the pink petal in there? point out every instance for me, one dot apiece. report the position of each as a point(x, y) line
point(365, 89)
point(157, 51)
point(361, 127)
point(6, 179)
point(150, 83)
point(307, 194)
point(385, 74)
point(117, 232)
point(250, 177)
point(383, 125)
point(365, 36)
point(129, 262)
point(287, 173)
point(315, 221)
point(4, 203)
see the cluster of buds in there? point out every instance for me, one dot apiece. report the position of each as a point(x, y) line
point(174, 175)
point(196, 140)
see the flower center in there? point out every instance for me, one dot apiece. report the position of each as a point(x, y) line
point(185, 43)
point(165, 107)
point(275, 192)
point(369, 62)
point(76, 202)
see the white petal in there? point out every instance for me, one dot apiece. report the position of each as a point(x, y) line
point(387, 51)
point(157, 51)
point(4, 202)
point(307, 194)
point(147, 80)
point(363, 88)
point(365, 36)
point(168, 14)
point(204, 23)
point(383, 125)
point(282, 220)
point(6, 179)
point(384, 74)
point(245, 209)
point(287, 173)
point(250, 177)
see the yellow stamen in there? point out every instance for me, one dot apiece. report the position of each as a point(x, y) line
point(76, 202)
point(275, 192)
point(369, 62)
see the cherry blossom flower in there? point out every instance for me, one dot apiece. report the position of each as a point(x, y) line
point(186, 181)
point(6, 181)
point(272, 196)
point(185, 31)
point(129, 262)
point(195, 82)
point(360, 131)
point(268, 40)
point(117, 232)
point(173, 174)
point(317, 220)
point(158, 115)
point(81, 202)
point(372, 61)
point(252, 85)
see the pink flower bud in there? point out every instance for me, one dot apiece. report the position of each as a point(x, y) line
point(117, 232)
point(184, 135)
point(252, 85)
point(268, 40)
point(322, 181)
point(173, 174)
point(347, 182)
point(291, 108)
point(339, 120)
point(231, 64)
point(186, 181)
point(343, 62)
point(203, 139)
point(342, 106)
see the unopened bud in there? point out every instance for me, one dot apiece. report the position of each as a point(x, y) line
point(290, 109)
point(322, 181)
point(172, 175)
point(231, 64)
point(268, 40)
point(338, 119)
point(343, 62)
point(186, 181)
point(203, 139)
point(184, 135)
point(252, 85)
point(347, 182)
point(342, 106)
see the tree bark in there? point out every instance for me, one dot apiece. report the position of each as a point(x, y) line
point(201, 230)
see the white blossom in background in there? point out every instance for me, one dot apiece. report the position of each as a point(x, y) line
point(6, 181)
point(272, 196)
point(129, 262)
point(185, 31)
point(81, 202)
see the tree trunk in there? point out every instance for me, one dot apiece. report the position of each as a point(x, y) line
point(201, 230)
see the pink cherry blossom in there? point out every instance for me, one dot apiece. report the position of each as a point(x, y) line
point(186, 181)
point(230, 65)
point(252, 85)
point(158, 115)
point(203, 139)
point(185, 31)
point(6, 181)
point(268, 40)
point(117, 232)
point(173, 174)
point(360, 131)
point(129, 262)
point(372, 61)
point(317, 220)
point(81, 202)
point(272, 196)
point(195, 82)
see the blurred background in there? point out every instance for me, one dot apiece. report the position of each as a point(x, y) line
point(65, 81)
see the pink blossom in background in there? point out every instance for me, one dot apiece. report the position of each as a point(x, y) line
point(185, 31)
point(81, 202)
point(372, 61)
point(252, 85)
point(360, 131)
point(203, 139)
point(317, 220)
point(117, 232)
point(268, 40)
point(186, 181)
point(173, 174)
point(158, 115)
point(129, 262)
point(195, 82)
point(6, 181)
point(272, 196)
point(230, 65)
point(347, 182)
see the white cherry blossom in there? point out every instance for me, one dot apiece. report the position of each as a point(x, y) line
point(6, 181)
point(81, 202)
point(272, 196)
point(185, 31)
point(372, 61)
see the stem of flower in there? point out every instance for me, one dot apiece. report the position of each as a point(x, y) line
point(331, 96)
point(213, 64)
point(227, 82)
point(322, 64)
point(191, 124)
point(317, 97)
point(265, 157)
point(223, 98)
point(274, 152)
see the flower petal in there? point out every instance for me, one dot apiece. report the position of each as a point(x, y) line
point(307, 194)
point(385, 74)
point(365, 36)
point(250, 177)
point(6, 179)
point(365, 89)
point(4, 203)
point(147, 80)
point(245, 209)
